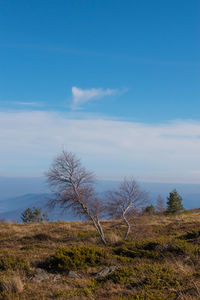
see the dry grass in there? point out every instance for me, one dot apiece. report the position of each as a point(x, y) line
point(35, 242)
point(12, 284)
point(113, 238)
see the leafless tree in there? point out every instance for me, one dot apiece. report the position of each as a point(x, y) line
point(73, 188)
point(160, 205)
point(125, 201)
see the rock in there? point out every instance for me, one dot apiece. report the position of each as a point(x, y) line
point(106, 271)
point(164, 247)
point(186, 258)
point(72, 274)
point(40, 275)
point(57, 277)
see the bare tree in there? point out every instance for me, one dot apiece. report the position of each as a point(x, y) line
point(160, 205)
point(125, 201)
point(73, 188)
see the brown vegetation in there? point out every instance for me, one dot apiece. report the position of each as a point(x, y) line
point(159, 260)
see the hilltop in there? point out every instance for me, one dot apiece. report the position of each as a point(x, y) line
point(160, 259)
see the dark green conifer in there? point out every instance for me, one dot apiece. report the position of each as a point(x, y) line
point(174, 203)
point(34, 215)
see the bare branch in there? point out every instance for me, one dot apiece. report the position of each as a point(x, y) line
point(160, 205)
point(73, 188)
point(123, 202)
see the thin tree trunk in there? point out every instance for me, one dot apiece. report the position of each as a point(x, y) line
point(101, 232)
point(96, 222)
point(128, 227)
point(98, 227)
point(126, 221)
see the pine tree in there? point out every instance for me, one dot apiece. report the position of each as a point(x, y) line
point(34, 215)
point(174, 203)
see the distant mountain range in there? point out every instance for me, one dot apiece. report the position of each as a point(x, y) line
point(17, 194)
point(12, 208)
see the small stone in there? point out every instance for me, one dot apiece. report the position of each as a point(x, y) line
point(40, 275)
point(187, 257)
point(164, 247)
point(73, 274)
point(57, 277)
point(106, 271)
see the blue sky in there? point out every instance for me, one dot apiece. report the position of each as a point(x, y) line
point(116, 82)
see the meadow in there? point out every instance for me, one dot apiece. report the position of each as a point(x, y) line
point(62, 260)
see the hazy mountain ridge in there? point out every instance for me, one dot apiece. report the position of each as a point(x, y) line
point(11, 209)
point(12, 206)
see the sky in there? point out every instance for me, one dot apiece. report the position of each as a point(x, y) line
point(116, 82)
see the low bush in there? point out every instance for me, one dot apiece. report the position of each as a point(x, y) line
point(42, 237)
point(86, 234)
point(34, 215)
point(157, 276)
point(13, 263)
point(156, 248)
point(121, 275)
point(150, 294)
point(191, 235)
point(141, 248)
point(182, 247)
point(152, 276)
point(135, 252)
point(74, 258)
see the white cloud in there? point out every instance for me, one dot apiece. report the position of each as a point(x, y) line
point(21, 103)
point(166, 152)
point(81, 96)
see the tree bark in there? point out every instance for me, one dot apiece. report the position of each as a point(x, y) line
point(128, 226)
point(126, 221)
point(96, 222)
point(101, 232)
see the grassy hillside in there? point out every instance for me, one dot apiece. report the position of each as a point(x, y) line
point(160, 260)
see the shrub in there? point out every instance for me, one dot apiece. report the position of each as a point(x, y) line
point(34, 215)
point(157, 276)
point(135, 249)
point(86, 235)
point(135, 252)
point(120, 276)
point(153, 276)
point(184, 248)
point(13, 263)
point(150, 294)
point(42, 237)
point(174, 246)
point(149, 210)
point(191, 235)
point(75, 258)
point(153, 248)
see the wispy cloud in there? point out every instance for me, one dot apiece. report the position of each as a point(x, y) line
point(83, 52)
point(22, 103)
point(167, 152)
point(81, 96)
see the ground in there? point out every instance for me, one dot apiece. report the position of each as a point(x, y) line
point(160, 259)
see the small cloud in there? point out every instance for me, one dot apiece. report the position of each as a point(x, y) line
point(81, 96)
point(26, 103)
